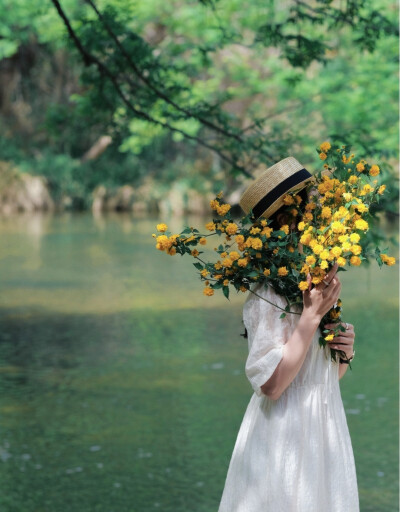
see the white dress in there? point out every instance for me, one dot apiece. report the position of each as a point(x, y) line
point(293, 454)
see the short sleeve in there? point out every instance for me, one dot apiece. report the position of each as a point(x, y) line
point(267, 334)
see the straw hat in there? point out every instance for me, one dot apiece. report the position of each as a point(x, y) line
point(265, 194)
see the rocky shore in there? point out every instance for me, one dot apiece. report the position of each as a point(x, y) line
point(22, 192)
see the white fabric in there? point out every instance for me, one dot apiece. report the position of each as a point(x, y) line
point(293, 454)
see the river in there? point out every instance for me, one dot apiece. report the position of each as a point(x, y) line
point(123, 386)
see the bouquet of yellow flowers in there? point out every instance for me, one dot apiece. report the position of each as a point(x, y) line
point(331, 223)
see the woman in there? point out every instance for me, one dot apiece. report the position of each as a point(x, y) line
point(293, 452)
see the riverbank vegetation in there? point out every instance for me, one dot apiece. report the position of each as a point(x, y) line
point(176, 101)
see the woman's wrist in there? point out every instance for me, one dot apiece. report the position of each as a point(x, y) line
point(348, 359)
point(311, 318)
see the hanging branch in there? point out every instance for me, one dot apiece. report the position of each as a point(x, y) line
point(89, 59)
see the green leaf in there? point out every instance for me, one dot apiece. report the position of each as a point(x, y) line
point(225, 290)
point(283, 315)
point(186, 230)
point(198, 265)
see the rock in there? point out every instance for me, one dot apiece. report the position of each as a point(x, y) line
point(120, 199)
point(21, 192)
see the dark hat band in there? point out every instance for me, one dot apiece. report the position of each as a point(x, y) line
point(279, 190)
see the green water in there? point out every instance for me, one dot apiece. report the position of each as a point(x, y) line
point(123, 386)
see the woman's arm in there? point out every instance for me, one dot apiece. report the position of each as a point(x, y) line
point(317, 302)
point(294, 353)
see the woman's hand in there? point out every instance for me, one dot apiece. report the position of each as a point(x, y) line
point(320, 299)
point(344, 340)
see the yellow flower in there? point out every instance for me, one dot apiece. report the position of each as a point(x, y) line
point(285, 229)
point(305, 238)
point(203, 240)
point(360, 167)
point(356, 249)
point(210, 226)
point(288, 199)
point(310, 206)
point(300, 226)
point(239, 239)
point(366, 189)
point(162, 227)
point(231, 228)
point(305, 269)
point(219, 195)
point(234, 255)
point(204, 272)
point(256, 243)
point(354, 237)
point(325, 147)
point(316, 279)
point(226, 282)
point(381, 189)
point(326, 212)
point(361, 207)
point(346, 246)
point(361, 224)
point(374, 171)
point(352, 179)
point(347, 196)
point(318, 248)
point(283, 271)
point(243, 289)
point(390, 260)
point(324, 254)
point(303, 285)
point(208, 291)
point(322, 156)
point(294, 212)
point(345, 159)
point(224, 254)
point(329, 337)
point(337, 227)
point(267, 231)
point(195, 253)
point(308, 216)
point(310, 260)
point(324, 264)
point(243, 262)
point(267, 272)
point(341, 261)
point(214, 204)
point(355, 260)
point(336, 251)
point(227, 262)
point(223, 209)
point(254, 231)
point(218, 265)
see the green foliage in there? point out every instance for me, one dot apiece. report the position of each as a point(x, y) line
point(249, 82)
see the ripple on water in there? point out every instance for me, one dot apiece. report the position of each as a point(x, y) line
point(353, 411)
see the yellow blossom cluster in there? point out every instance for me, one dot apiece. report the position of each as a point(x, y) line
point(328, 228)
